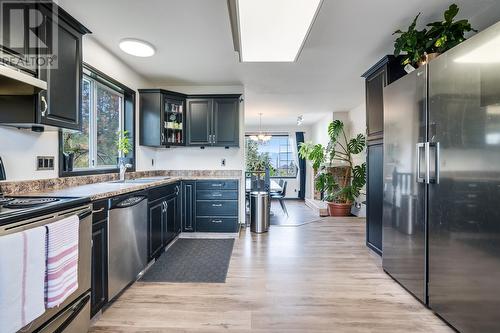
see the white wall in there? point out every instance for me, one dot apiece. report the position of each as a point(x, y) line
point(19, 148)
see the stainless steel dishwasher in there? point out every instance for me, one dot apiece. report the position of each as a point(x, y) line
point(127, 240)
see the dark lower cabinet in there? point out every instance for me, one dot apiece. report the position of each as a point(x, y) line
point(188, 203)
point(375, 192)
point(164, 218)
point(156, 228)
point(99, 274)
point(217, 205)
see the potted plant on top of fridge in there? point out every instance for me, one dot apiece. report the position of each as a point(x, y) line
point(421, 46)
point(339, 192)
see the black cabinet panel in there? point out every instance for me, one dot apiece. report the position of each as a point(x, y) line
point(171, 219)
point(188, 206)
point(375, 194)
point(199, 121)
point(60, 105)
point(217, 224)
point(151, 120)
point(226, 122)
point(99, 282)
point(156, 228)
point(375, 103)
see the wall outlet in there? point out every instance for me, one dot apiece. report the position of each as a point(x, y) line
point(44, 163)
point(223, 162)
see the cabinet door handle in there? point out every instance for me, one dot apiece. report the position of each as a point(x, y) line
point(217, 194)
point(216, 205)
point(176, 190)
point(98, 211)
point(44, 106)
point(216, 221)
point(217, 185)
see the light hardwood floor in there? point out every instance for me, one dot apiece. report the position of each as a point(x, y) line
point(319, 277)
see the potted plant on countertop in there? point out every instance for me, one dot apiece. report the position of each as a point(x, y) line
point(124, 147)
point(338, 193)
point(422, 46)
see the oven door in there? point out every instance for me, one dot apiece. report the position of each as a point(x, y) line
point(74, 319)
point(84, 260)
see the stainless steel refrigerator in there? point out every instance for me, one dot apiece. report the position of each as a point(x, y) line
point(441, 235)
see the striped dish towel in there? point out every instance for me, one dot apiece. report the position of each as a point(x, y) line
point(61, 278)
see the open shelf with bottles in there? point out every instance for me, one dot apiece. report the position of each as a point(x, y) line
point(173, 125)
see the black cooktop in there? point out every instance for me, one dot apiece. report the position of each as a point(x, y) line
point(15, 209)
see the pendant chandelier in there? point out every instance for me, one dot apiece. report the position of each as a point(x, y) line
point(261, 137)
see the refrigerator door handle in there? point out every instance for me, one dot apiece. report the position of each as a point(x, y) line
point(427, 163)
point(419, 147)
point(437, 157)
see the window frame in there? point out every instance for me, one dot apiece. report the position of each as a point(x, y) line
point(287, 135)
point(127, 121)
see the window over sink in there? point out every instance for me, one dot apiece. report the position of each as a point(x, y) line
point(107, 110)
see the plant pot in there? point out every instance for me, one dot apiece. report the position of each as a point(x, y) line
point(339, 209)
point(428, 58)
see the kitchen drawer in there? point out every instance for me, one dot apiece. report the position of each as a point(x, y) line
point(217, 208)
point(163, 191)
point(230, 184)
point(100, 210)
point(217, 224)
point(217, 195)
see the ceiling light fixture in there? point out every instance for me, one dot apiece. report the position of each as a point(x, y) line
point(300, 120)
point(260, 137)
point(137, 47)
point(271, 30)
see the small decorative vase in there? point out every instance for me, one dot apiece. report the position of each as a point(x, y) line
point(428, 58)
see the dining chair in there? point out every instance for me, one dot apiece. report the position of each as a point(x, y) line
point(280, 196)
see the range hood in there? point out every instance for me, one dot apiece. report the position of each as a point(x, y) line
point(14, 82)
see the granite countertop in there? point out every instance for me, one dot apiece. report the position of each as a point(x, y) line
point(104, 190)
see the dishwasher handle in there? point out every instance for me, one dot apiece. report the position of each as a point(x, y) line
point(128, 202)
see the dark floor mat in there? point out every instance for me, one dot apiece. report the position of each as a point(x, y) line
point(193, 260)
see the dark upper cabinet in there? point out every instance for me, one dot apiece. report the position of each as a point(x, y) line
point(161, 118)
point(386, 71)
point(199, 122)
point(226, 122)
point(60, 104)
point(213, 121)
point(188, 204)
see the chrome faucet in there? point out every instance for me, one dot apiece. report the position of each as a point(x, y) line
point(123, 169)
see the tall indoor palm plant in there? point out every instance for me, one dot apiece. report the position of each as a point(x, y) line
point(341, 191)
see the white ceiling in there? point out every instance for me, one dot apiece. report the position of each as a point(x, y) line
point(194, 47)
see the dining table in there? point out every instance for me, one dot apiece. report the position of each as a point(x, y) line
point(274, 186)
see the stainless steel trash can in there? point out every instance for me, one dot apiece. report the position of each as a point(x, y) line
point(259, 211)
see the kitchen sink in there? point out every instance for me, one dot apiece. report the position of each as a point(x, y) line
point(139, 180)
